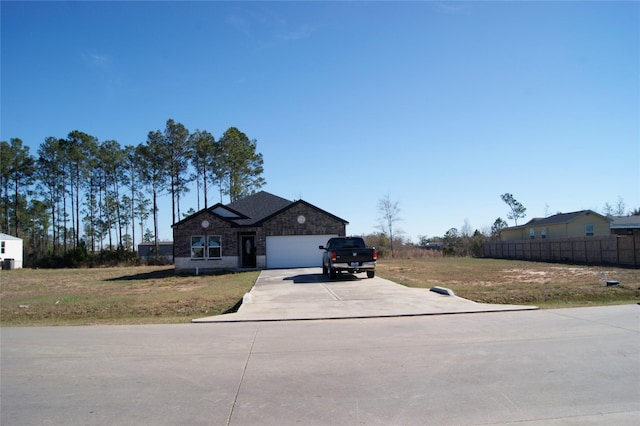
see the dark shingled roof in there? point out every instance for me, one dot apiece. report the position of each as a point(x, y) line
point(258, 206)
point(254, 209)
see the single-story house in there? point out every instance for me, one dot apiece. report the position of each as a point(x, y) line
point(11, 252)
point(625, 225)
point(583, 223)
point(256, 232)
point(148, 250)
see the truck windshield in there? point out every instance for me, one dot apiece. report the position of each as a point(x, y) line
point(349, 243)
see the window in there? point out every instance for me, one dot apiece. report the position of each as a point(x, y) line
point(197, 247)
point(532, 233)
point(214, 246)
point(212, 249)
point(543, 233)
point(588, 229)
point(1, 247)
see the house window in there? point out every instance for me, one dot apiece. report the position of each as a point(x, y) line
point(532, 233)
point(543, 233)
point(588, 229)
point(212, 249)
point(1, 247)
point(197, 247)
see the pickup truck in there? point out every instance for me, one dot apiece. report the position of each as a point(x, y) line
point(349, 254)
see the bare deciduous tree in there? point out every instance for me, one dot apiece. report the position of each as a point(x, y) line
point(389, 215)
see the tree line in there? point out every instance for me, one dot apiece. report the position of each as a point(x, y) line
point(79, 196)
point(456, 242)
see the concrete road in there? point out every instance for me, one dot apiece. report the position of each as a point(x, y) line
point(558, 367)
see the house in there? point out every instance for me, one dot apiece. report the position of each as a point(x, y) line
point(147, 250)
point(259, 231)
point(625, 225)
point(11, 252)
point(583, 223)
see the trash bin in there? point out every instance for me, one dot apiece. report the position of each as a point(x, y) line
point(8, 264)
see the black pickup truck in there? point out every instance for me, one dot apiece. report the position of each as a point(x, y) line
point(349, 254)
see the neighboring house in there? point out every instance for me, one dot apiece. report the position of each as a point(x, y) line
point(584, 223)
point(259, 231)
point(625, 225)
point(148, 250)
point(10, 251)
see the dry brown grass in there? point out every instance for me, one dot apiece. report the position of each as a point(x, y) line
point(516, 282)
point(145, 294)
point(155, 294)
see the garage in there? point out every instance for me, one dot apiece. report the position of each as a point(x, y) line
point(295, 251)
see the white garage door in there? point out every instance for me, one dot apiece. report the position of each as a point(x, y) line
point(295, 251)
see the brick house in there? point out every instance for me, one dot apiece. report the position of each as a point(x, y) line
point(256, 232)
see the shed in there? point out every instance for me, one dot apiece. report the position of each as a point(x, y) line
point(11, 251)
point(256, 232)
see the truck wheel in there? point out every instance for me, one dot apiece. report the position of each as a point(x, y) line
point(333, 274)
point(371, 274)
point(325, 271)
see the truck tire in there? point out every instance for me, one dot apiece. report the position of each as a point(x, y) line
point(333, 274)
point(325, 271)
point(371, 274)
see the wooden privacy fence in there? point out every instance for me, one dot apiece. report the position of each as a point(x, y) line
point(621, 250)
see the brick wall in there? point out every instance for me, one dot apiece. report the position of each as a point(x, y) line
point(316, 222)
point(183, 233)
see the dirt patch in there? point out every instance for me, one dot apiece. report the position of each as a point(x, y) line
point(556, 274)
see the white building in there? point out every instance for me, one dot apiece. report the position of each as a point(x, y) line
point(10, 248)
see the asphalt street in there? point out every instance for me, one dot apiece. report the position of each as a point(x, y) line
point(523, 367)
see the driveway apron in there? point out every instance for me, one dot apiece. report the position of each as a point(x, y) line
point(307, 294)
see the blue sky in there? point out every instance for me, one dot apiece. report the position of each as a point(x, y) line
point(443, 106)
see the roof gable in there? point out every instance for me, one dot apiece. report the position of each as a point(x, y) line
point(226, 212)
point(218, 209)
point(302, 202)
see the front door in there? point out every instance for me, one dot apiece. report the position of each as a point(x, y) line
point(248, 244)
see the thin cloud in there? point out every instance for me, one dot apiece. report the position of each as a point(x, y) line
point(302, 32)
point(99, 61)
point(452, 7)
point(274, 26)
point(240, 24)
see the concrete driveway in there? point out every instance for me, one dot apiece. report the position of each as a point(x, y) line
point(306, 294)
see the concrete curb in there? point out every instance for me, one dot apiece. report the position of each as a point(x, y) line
point(229, 318)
